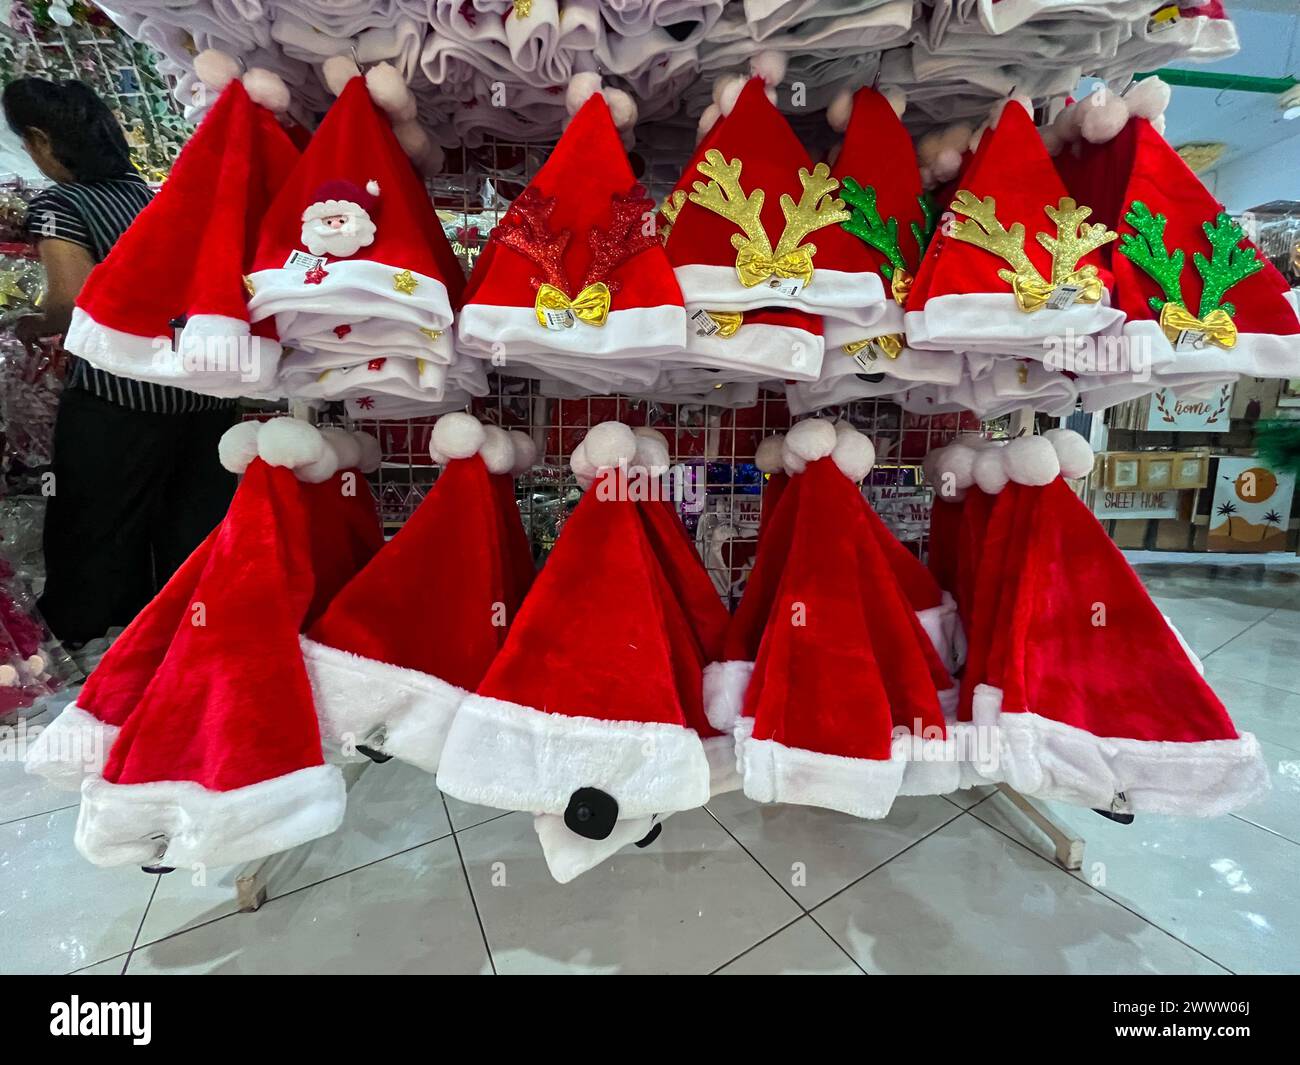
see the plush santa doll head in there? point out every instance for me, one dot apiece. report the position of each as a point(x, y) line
point(337, 222)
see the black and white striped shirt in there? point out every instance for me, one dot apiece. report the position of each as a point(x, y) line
point(94, 214)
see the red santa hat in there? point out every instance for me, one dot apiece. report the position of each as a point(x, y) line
point(571, 274)
point(587, 710)
point(388, 673)
point(1148, 737)
point(1202, 303)
point(520, 568)
point(390, 289)
point(768, 462)
point(169, 304)
point(198, 774)
point(832, 682)
point(1019, 264)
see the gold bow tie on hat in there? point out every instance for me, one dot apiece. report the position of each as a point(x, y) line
point(754, 265)
point(1033, 293)
point(900, 286)
point(591, 305)
point(890, 345)
point(1217, 326)
point(728, 322)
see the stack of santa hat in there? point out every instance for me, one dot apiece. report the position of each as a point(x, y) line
point(388, 674)
point(573, 284)
point(757, 245)
point(344, 532)
point(1082, 692)
point(592, 711)
point(842, 708)
point(197, 772)
point(168, 305)
point(353, 265)
point(895, 219)
point(1202, 304)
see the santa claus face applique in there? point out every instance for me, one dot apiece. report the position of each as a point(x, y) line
point(338, 221)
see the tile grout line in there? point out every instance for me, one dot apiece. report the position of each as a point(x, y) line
point(39, 813)
point(464, 871)
point(1109, 898)
point(1239, 635)
point(1265, 828)
point(789, 924)
point(843, 949)
point(130, 951)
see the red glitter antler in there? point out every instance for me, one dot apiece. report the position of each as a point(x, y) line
point(526, 228)
point(625, 238)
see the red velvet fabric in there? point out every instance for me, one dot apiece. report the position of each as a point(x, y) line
point(355, 143)
point(345, 534)
point(773, 487)
point(187, 251)
point(600, 634)
point(1011, 165)
point(1139, 164)
point(975, 512)
point(114, 689)
point(1127, 677)
point(519, 567)
point(878, 153)
point(686, 578)
point(427, 600)
point(842, 659)
point(745, 632)
point(945, 525)
point(230, 705)
point(583, 173)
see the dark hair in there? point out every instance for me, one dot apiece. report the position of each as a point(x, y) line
point(84, 134)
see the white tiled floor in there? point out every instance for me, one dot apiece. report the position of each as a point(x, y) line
point(415, 882)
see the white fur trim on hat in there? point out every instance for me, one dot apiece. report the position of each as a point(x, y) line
point(346, 447)
point(525, 452)
point(1031, 460)
point(456, 436)
point(768, 455)
point(1073, 451)
point(497, 450)
point(337, 71)
point(854, 454)
point(609, 444)
point(371, 454)
point(238, 446)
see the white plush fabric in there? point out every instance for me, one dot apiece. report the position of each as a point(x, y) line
point(724, 692)
point(70, 748)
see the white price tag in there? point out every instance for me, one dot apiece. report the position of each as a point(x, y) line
point(1190, 340)
point(865, 358)
point(705, 324)
point(557, 320)
point(300, 260)
point(789, 287)
point(1063, 296)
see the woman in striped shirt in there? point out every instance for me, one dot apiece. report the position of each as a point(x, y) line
point(136, 484)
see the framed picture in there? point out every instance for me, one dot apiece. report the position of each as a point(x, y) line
point(1124, 472)
point(1157, 473)
point(1190, 471)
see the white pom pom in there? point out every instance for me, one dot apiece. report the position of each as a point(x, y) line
point(622, 108)
point(811, 439)
point(431, 159)
point(957, 136)
point(267, 88)
point(215, 69)
point(371, 455)
point(652, 453)
point(238, 446)
point(927, 177)
point(8, 676)
point(456, 436)
point(583, 469)
point(337, 71)
point(1158, 124)
point(582, 87)
point(989, 471)
point(930, 465)
point(1104, 115)
point(1148, 98)
point(345, 445)
point(854, 454)
point(35, 664)
point(956, 467)
point(525, 452)
point(928, 148)
point(1017, 101)
point(389, 90)
point(768, 65)
point(411, 136)
point(649, 432)
point(946, 165)
point(1052, 140)
point(840, 111)
point(730, 93)
point(609, 444)
point(976, 136)
point(372, 187)
point(291, 442)
point(497, 450)
point(1031, 460)
point(710, 115)
point(897, 99)
point(322, 469)
point(1067, 122)
point(1073, 451)
point(768, 455)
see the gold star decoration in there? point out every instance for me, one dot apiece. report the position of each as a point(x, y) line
point(405, 282)
point(523, 8)
point(432, 334)
point(248, 285)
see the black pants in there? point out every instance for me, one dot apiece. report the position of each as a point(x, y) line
point(134, 493)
